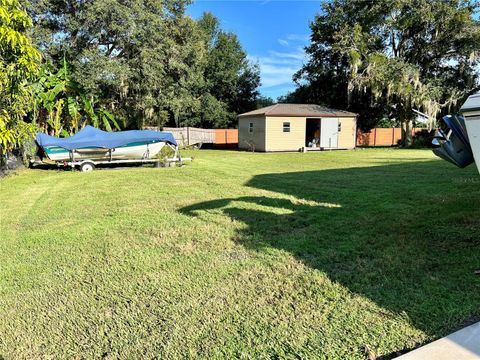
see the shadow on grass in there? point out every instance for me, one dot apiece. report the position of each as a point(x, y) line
point(53, 167)
point(405, 235)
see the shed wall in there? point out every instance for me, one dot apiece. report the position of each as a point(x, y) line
point(256, 138)
point(268, 133)
point(277, 140)
point(346, 137)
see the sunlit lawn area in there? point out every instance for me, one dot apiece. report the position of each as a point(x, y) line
point(318, 255)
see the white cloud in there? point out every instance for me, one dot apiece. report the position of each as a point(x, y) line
point(298, 37)
point(298, 54)
point(277, 68)
point(294, 39)
point(274, 75)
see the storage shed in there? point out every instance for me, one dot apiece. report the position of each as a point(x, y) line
point(291, 127)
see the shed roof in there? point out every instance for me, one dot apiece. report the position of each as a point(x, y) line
point(303, 110)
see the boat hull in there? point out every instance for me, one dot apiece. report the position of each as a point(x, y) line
point(134, 151)
point(451, 142)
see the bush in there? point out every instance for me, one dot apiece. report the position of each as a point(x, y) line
point(423, 139)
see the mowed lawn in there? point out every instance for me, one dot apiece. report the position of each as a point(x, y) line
point(345, 254)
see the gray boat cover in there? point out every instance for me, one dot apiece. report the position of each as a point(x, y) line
point(90, 137)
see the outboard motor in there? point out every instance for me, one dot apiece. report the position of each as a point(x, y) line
point(471, 112)
point(451, 142)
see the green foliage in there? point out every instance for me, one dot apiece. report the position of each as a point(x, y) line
point(62, 105)
point(231, 81)
point(263, 101)
point(423, 139)
point(215, 113)
point(386, 123)
point(148, 63)
point(14, 135)
point(165, 153)
point(19, 61)
point(390, 56)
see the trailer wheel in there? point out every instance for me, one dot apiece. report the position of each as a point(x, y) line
point(87, 166)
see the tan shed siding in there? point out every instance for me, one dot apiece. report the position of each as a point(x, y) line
point(257, 138)
point(346, 137)
point(277, 140)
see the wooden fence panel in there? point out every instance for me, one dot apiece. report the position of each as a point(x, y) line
point(201, 136)
point(365, 139)
point(382, 136)
point(397, 135)
point(232, 136)
point(220, 136)
point(186, 136)
point(226, 137)
point(180, 135)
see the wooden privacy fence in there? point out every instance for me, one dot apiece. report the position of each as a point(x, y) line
point(382, 136)
point(226, 138)
point(186, 136)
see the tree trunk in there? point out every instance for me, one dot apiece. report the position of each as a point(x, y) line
point(407, 138)
point(175, 117)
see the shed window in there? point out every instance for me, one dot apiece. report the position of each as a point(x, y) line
point(250, 127)
point(286, 127)
point(339, 127)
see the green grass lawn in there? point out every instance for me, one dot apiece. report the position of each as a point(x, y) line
point(318, 255)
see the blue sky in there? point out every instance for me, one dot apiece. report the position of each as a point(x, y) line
point(273, 32)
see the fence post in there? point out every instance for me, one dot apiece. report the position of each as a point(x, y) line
point(188, 136)
point(374, 136)
point(393, 137)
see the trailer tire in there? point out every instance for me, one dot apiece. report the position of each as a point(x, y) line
point(87, 167)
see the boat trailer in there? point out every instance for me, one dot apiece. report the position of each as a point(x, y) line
point(86, 165)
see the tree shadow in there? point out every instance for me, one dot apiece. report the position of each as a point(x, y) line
point(404, 235)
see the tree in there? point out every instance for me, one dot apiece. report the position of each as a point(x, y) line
point(19, 61)
point(146, 62)
point(230, 78)
point(263, 101)
point(396, 55)
point(63, 107)
point(186, 56)
point(138, 58)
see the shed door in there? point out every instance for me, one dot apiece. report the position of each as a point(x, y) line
point(329, 133)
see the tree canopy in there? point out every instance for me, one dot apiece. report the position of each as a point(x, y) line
point(19, 63)
point(62, 106)
point(383, 58)
point(231, 81)
point(147, 62)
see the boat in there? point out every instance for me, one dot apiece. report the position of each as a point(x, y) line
point(458, 138)
point(93, 146)
point(451, 141)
